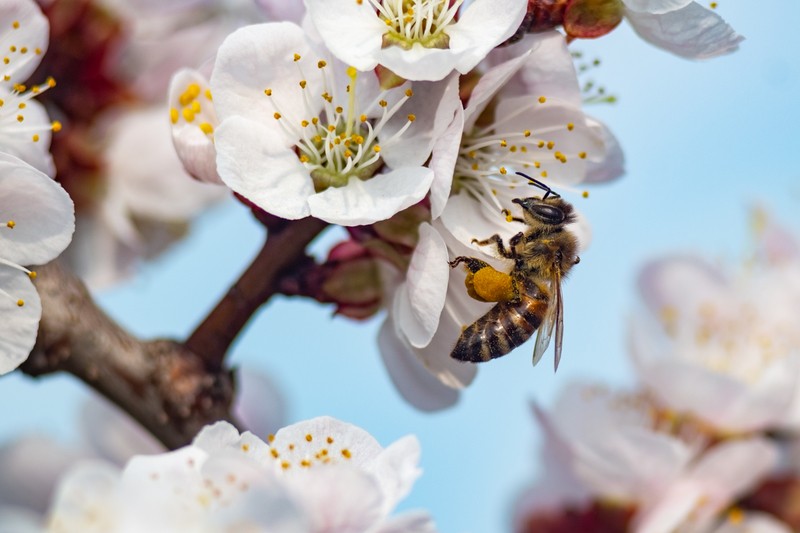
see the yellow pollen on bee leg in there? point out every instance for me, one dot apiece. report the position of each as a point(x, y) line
point(10, 224)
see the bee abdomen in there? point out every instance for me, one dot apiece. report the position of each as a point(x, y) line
point(506, 326)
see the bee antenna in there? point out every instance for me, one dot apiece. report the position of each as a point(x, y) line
point(536, 183)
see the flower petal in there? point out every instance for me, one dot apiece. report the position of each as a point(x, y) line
point(611, 164)
point(20, 144)
point(412, 380)
point(360, 42)
point(443, 163)
point(655, 7)
point(693, 32)
point(282, 187)
point(24, 26)
point(364, 202)
point(42, 212)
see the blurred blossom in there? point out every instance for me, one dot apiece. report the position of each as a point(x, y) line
point(522, 114)
point(313, 476)
point(34, 463)
point(721, 346)
point(423, 40)
point(37, 224)
point(620, 448)
point(302, 134)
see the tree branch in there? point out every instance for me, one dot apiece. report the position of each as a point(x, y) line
point(282, 250)
point(164, 386)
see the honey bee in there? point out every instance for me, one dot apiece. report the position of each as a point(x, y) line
point(529, 296)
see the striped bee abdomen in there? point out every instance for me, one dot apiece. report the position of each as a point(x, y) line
point(506, 326)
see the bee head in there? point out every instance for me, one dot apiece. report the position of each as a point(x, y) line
point(552, 211)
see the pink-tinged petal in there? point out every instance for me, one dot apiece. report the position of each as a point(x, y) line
point(42, 214)
point(693, 32)
point(112, 434)
point(655, 7)
point(31, 469)
point(260, 57)
point(608, 165)
point(482, 26)
point(671, 510)
point(194, 146)
point(433, 105)
point(20, 324)
point(443, 163)
point(413, 381)
point(282, 187)
point(283, 10)
point(86, 499)
point(259, 403)
point(346, 443)
point(351, 30)
point(23, 26)
point(364, 202)
point(422, 299)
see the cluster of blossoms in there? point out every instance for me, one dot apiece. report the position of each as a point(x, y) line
point(709, 442)
point(37, 214)
point(321, 475)
point(421, 113)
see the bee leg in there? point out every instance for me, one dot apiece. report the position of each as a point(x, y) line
point(498, 242)
point(510, 218)
point(472, 264)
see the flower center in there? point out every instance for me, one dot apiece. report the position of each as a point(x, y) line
point(416, 21)
point(341, 141)
point(192, 110)
point(309, 451)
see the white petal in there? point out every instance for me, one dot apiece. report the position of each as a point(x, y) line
point(336, 436)
point(433, 104)
point(253, 161)
point(412, 522)
point(194, 147)
point(33, 34)
point(86, 499)
point(351, 30)
point(443, 163)
point(490, 83)
point(611, 163)
point(258, 57)
point(19, 325)
point(426, 288)
point(701, 283)
point(112, 434)
point(754, 522)
point(19, 143)
point(42, 212)
point(260, 404)
point(378, 198)
point(656, 7)
point(418, 386)
point(396, 469)
point(693, 32)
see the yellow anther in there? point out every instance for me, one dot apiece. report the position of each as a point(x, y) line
point(37, 51)
point(309, 437)
point(537, 164)
point(276, 115)
point(550, 145)
point(376, 148)
point(35, 137)
point(6, 60)
point(512, 148)
point(735, 516)
point(540, 144)
point(188, 114)
point(191, 92)
point(303, 84)
point(383, 103)
point(304, 158)
point(527, 133)
point(55, 126)
point(346, 453)
point(348, 154)
point(23, 50)
point(15, 24)
point(20, 88)
point(542, 99)
point(32, 274)
point(582, 155)
point(208, 94)
point(304, 123)
point(173, 115)
point(305, 463)
point(206, 128)
point(363, 118)
point(315, 121)
point(195, 106)
point(409, 93)
point(713, 5)
point(585, 194)
point(543, 174)
point(20, 303)
point(503, 171)
point(412, 117)
point(10, 224)
point(20, 118)
point(352, 72)
point(296, 57)
point(268, 92)
point(475, 166)
point(285, 465)
point(503, 143)
point(570, 126)
point(321, 64)
point(331, 128)
point(339, 109)
point(12, 48)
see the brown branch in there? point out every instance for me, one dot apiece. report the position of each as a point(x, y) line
point(282, 250)
point(164, 386)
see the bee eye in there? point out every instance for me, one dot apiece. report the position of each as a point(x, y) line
point(548, 214)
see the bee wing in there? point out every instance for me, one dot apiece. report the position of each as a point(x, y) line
point(553, 319)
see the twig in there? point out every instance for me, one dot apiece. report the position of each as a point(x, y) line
point(282, 250)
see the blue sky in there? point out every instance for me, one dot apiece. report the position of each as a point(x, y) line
point(704, 141)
